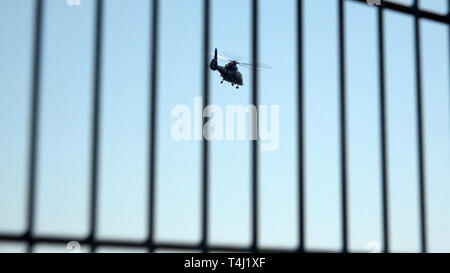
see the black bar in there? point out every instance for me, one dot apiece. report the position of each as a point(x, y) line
point(384, 135)
point(263, 262)
point(63, 240)
point(343, 126)
point(412, 11)
point(300, 108)
point(96, 125)
point(34, 125)
point(205, 190)
point(153, 125)
point(420, 132)
point(254, 242)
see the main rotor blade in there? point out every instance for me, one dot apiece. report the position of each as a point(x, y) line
point(257, 66)
point(231, 56)
point(247, 65)
point(221, 57)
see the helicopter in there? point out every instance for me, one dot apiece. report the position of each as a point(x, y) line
point(230, 71)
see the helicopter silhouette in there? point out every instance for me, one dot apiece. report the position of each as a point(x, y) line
point(230, 71)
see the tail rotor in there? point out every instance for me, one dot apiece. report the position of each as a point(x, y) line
point(213, 64)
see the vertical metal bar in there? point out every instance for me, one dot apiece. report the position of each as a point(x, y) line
point(96, 124)
point(420, 131)
point(152, 126)
point(34, 123)
point(384, 159)
point(448, 26)
point(343, 126)
point(254, 242)
point(301, 154)
point(205, 177)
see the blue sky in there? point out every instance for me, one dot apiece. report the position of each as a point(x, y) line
point(63, 170)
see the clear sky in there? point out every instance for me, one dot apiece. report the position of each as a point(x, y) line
point(63, 169)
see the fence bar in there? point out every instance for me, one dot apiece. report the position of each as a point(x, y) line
point(62, 240)
point(34, 125)
point(420, 132)
point(412, 11)
point(255, 99)
point(205, 189)
point(343, 117)
point(152, 126)
point(300, 108)
point(384, 135)
point(96, 125)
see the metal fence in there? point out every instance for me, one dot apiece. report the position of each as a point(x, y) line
point(151, 244)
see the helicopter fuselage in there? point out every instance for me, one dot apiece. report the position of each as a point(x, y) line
point(229, 72)
point(231, 75)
